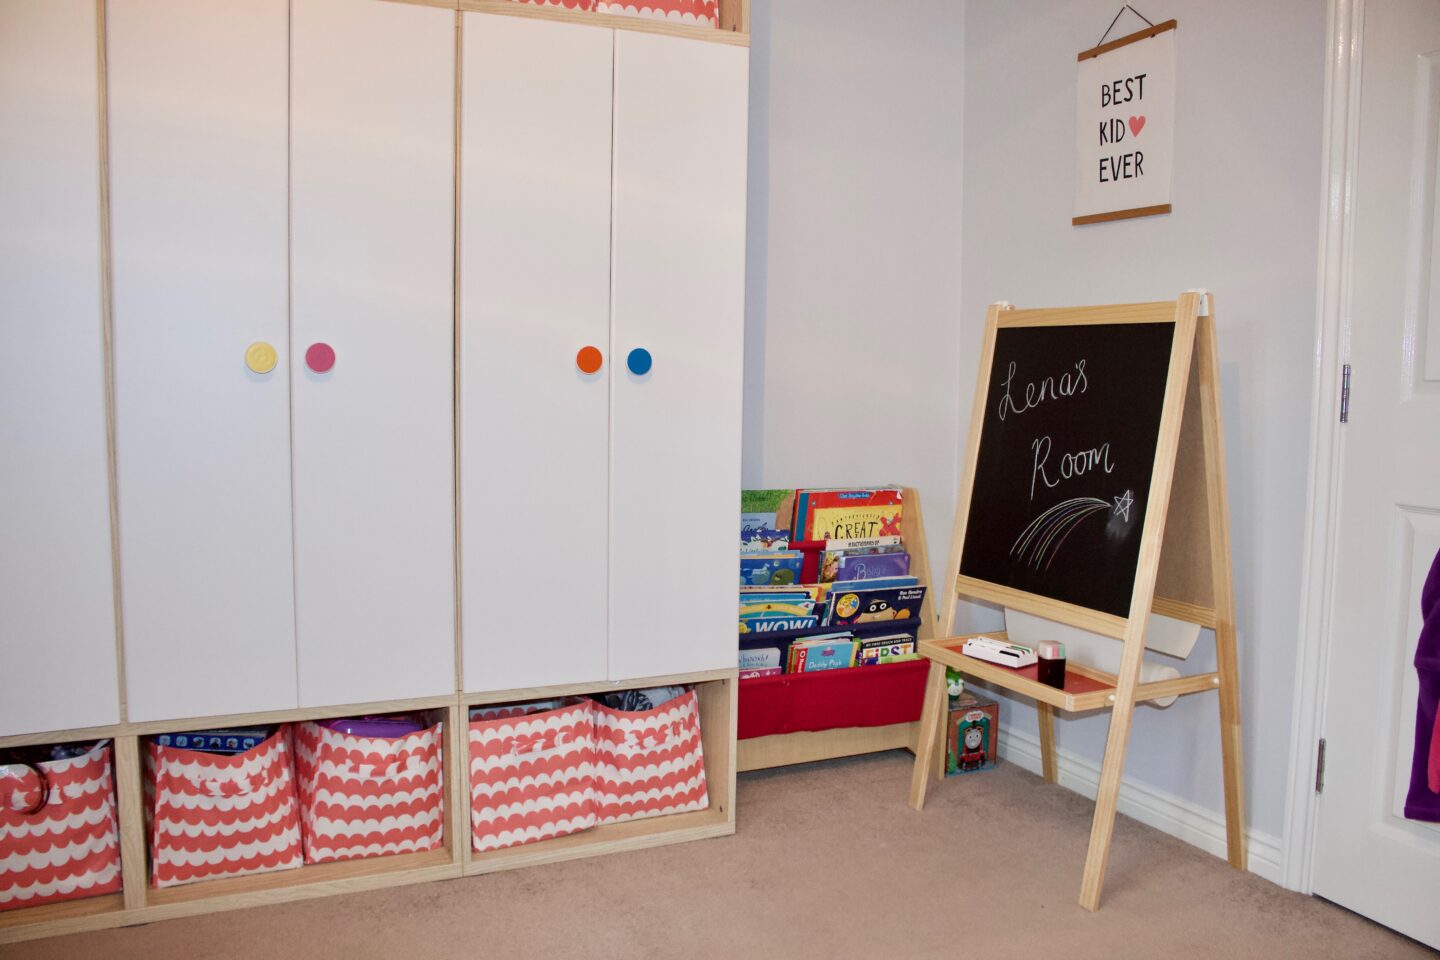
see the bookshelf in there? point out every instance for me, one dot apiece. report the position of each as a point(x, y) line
point(883, 709)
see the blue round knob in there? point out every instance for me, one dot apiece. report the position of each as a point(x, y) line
point(639, 361)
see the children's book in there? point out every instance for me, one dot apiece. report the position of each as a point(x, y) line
point(791, 591)
point(871, 605)
point(775, 567)
point(808, 656)
point(906, 581)
point(761, 539)
point(760, 658)
point(863, 543)
point(887, 649)
point(872, 566)
point(847, 514)
point(766, 510)
point(770, 624)
point(750, 609)
point(831, 561)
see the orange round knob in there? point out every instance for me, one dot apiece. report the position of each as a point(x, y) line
point(589, 359)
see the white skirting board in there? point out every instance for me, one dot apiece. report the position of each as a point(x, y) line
point(1165, 812)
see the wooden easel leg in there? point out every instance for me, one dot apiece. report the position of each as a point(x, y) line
point(1227, 665)
point(930, 724)
point(130, 803)
point(1232, 752)
point(1047, 740)
point(1106, 798)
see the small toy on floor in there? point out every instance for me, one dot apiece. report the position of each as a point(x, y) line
point(971, 734)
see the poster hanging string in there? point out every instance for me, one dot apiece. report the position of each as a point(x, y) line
point(1117, 20)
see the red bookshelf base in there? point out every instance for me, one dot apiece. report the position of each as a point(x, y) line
point(827, 699)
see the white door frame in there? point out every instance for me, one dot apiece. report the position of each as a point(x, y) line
point(1344, 36)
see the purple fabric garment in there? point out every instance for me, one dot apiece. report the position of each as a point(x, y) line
point(1422, 802)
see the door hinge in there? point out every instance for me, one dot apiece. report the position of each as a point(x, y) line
point(1320, 767)
point(1345, 394)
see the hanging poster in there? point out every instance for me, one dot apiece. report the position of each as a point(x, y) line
point(1125, 127)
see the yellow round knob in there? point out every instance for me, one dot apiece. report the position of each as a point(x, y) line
point(260, 357)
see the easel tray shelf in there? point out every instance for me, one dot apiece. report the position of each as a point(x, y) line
point(1085, 687)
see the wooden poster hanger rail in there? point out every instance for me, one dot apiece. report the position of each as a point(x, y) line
point(1179, 551)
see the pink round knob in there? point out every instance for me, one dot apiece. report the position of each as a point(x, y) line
point(320, 357)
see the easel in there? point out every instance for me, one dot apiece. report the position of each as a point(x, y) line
point(1183, 572)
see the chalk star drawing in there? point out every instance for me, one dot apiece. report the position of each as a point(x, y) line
point(1042, 539)
point(1122, 505)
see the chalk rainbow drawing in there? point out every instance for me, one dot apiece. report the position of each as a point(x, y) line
point(1039, 542)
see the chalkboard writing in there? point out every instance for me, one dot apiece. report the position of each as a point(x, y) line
point(1067, 447)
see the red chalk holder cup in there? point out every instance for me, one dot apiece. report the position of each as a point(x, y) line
point(1050, 664)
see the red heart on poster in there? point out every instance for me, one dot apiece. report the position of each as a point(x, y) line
point(1136, 125)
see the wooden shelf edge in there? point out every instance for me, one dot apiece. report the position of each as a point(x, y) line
point(66, 911)
point(607, 839)
point(214, 896)
point(805, 746)
point(576, 689)
point(509, 8)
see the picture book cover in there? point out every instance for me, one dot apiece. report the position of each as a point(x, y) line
point(776, 567)
point(830, 568)
point(826, 655)
point(873, 605)
point(761, 539)
point(791, 591)
point(863, 543)
point(847, 514)
point(872, 566)
point(906, 581)
point(750, 609)
point(800, 649)
point(888, 649)
point(760, 658)
point(776, 624)
point(766, 510)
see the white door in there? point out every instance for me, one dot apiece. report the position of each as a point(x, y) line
point(57, 600)
point(372, 187)
point(535, 292)
point(197, 100)
point(1368, 857)
point(678, 287)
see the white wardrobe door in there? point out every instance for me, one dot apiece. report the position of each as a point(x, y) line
point(198, 225)
point(57, 606)
point(372, 181)
point(535, 290)
point(679, 284)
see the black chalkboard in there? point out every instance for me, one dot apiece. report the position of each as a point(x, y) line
point(1067, 449)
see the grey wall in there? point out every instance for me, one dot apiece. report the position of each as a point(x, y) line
point(1249, 97)
point(853, 293)
point(861, 341)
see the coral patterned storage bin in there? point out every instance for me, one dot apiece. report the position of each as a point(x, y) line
point(531, 773)
point(649, 762)
point(689, 12)
point(70, 846)
point(221, 816)
point(368, 796)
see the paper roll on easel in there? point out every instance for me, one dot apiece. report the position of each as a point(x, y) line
point(1166, 634)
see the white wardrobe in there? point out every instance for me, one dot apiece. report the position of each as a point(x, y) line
point(330, 421)
point(602, 205)
point(57, 601)
point(282, 174)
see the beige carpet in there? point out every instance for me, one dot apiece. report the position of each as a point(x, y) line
point(828, 862)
